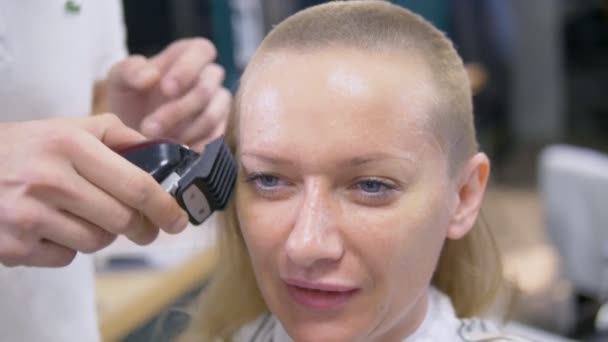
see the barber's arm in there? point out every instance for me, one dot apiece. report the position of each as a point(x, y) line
point(177, 93)
point(63, 190)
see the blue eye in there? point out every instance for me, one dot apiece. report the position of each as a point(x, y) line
point(373, 186)
point(267, 181)
point(269, 186)
point(375, 192)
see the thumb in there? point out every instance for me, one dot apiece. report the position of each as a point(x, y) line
point(133, 73)
point(111, 131)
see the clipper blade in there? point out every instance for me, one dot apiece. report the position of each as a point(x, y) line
point(208, 182)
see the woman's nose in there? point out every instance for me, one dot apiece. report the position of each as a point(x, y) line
point(315, 236)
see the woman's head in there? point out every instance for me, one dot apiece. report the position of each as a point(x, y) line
point(381, 29)
point(359, 174)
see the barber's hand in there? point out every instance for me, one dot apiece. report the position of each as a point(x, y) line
point(177, 93)
point(63, 190)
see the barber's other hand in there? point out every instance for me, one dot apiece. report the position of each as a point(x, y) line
point(63, 190)
point(177, 93)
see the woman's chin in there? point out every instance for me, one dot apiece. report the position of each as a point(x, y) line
point(319, 332)
point(321, 336)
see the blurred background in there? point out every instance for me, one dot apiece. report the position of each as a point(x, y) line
point(539, 71)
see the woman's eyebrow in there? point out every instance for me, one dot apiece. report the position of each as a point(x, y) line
point(267, 159)
point(375, 157)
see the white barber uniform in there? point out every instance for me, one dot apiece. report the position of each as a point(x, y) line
point(51, 53)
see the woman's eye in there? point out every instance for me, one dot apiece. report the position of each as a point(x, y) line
point(268, 185)
point(374, 192)
point(267, 181)
point(373, 186)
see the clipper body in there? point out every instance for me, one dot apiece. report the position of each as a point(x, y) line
point(201, 184)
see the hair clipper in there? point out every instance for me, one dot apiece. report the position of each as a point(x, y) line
point(201, 183)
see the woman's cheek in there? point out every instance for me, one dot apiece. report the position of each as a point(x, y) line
point(264, 223)
point(407, 224)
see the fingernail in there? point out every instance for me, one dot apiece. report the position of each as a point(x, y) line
point(170, 88)
point(180, 224)
point(151, 128)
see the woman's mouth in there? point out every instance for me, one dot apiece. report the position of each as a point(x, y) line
point(319, 296)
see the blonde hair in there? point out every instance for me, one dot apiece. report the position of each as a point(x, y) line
point(468, 270)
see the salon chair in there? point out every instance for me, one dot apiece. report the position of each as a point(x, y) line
point(574, 189)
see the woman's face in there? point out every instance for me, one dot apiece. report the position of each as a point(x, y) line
point(344, 198)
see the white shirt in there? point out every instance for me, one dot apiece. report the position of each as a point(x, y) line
point(439, 325)
point(50, 57)
point(49, 60)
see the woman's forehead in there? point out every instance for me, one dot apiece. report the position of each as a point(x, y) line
point(343, 63)
point(336, 97)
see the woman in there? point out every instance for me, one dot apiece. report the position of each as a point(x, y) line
point(359, 187)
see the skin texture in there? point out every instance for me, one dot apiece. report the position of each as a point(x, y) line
point(343, 183)
point(63, 190)
point(69, 192)
point(177, 93)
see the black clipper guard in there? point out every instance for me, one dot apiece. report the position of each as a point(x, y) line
point(201, 184)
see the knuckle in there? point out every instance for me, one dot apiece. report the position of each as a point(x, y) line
point(179, 109)
point(25, 222)
point(164, 115)
point(35, 181)
point(60, 141)
point(124, 222)
point(169, 116)
point(140, 189)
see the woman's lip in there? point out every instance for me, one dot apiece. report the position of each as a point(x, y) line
point(319, 286)
point(319, 296)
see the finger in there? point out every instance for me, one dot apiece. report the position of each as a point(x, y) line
point(50, 254)
point(91, 204)
point(214, 115)
point(182, 63)
point(13, 251)
point(70, 231)
point(25, 244)
point(182, 111)
point(127, 183)
point(219, 130)
point(21, 231)
point(133, 73)
point(110, 130)
point(144, 234)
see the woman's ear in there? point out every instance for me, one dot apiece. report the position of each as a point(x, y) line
point(470, 188)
